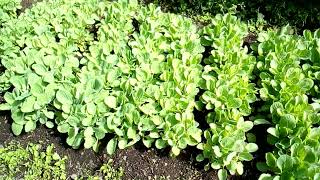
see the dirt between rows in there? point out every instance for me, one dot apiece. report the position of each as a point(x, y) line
point(137, 162)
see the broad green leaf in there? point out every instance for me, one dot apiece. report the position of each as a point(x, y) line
point(110, 101)
point(64, 97)
point(99, 133)
point(16, 128)
point(175, 150)
point(122, 144)
point(262, 166)
point(111, 146)
point(89, 141)
point(39, 69)
point(160, 144)
point(91, 108)
point(131, 133)
point(234, 102)
point(27, 105)
point(88, 132)
point(222, 174)
point(274, 132)
point(288, 121)
point(265, 177)
point(5, 107)
point(30, 126)
point(63, 128)
point(199, 158)
point(271, 160)
point(239, 168)
point(284, 162)
point(245, 156)
point(251, 147)
point(49, 124)
point(148, 142)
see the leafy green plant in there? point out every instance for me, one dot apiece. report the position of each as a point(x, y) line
point(228, 95)
point(286, 64)
point(96, 68)
point(31, 162)
point(107, 172)
point(8, 10)
point(121, 72)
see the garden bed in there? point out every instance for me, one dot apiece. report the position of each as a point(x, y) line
point(138, 162)
point(166, 97)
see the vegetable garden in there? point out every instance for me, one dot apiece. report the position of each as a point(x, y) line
point(241, 97)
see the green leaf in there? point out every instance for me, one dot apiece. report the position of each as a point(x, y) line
point(288, 121)
point(111, 146)
point(99, 133)
point(265, 177)
point(260, 121)
point(148, 142)
point(88, 132)
point(154, 135)
point(271, 160)
point(160, 144)
point(49, 114)
point(251, 147)
point(9, 98)
point(16, 128)
point(89, 141)
point(284, 162)
point(63, 128)
point(131, 133)
point(87, 121)
point(49, 124)
point(91, 108)
point(274, 132)
point(64, 97)
point(40, 69)
point(30, 126)
point(110, 101)
point(234, 102)
point(245, 156)
point(239, 167)
point(175, 150)
point(122, 143)
point(262, 166)
point(5, 107)
point(199, 158)
point(247, 126)
point(222, 174)
point(306, 84)
point(27, 105)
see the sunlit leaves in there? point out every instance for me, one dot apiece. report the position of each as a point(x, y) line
point(95, 75)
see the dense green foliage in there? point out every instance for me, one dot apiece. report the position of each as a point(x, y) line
point(228, 94)
point(289, 73)
point(122, 73)
point(8, 10)
point(114, 80)
point(31, 163)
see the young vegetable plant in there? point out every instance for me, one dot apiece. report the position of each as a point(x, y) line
point(227, 96)
point(103, 69)
point(286, 64)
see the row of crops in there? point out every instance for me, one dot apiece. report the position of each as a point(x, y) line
point(125, 73)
